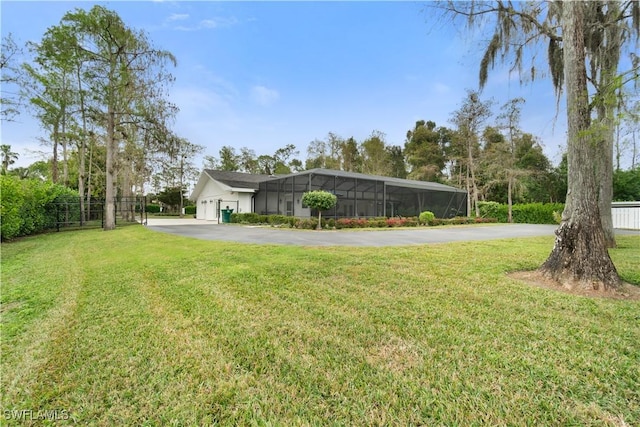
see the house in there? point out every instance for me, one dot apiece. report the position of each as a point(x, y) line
point(359, 195)
point(216, 190)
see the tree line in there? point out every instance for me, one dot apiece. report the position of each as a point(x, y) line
point(488, 154)
point(99, 91)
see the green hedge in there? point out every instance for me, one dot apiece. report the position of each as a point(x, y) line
point(190, 210)
point(378, 222)
point(529, 213)
point(459, 220)
point(26, 206)
point(248, 218)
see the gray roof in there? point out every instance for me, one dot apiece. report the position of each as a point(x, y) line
point(252, 181)
point(399, 182)
point(237, 179)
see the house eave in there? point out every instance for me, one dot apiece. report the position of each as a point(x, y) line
point(242, 190)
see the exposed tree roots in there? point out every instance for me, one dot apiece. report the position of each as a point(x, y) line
point(539, 279)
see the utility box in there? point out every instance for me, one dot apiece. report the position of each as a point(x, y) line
point(226, 215)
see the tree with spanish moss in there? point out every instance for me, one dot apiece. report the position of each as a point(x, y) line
point(571, 31)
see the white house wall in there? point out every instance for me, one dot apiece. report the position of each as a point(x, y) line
point(244, 199)
point(207, 203)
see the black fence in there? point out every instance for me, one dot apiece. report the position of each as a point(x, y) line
point(71, 213)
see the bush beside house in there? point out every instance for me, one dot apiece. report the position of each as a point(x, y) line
point(528, 213)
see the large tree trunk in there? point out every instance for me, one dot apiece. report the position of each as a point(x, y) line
point(82, 176)
point(65, 151)
point(54, 160)
point(469, 195)
point(181, 186)
point(89, 174)
point(475, 192)
point(579, 258)
point(474, 187)
point(611, 45)
point(605, 172)
point(82, 148)
point(126, 190)
point(112, 146)
point(510, 198)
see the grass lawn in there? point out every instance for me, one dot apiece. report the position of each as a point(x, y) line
point(135, 327)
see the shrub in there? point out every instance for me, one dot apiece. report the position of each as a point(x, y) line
point(536, 213)
point(152, 208)
point(278, 219)
point(411, 221)
point(254, 218)
point(361, 223)
point(426, 216)
point(378, 222)
point(437, 221)
point(320, 200)
point(393, 222)
point(343, 223)
point(402, 222)
point(307, 223)
point(340, 223)
point(10, 203)
point(494, 210)
point(27, 206)
point(459, 220)
point(190, 210)
point(245, 218)
point(529, 213)
point(480, 220)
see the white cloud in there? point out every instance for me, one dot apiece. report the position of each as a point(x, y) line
point(178, 17)
point(264, 96)
point(208, 24)
point(218, 22)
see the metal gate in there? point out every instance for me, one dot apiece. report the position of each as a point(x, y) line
point(70, 213)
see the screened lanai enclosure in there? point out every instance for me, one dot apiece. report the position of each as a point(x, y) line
point(359, 195)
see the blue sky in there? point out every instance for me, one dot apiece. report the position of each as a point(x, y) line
point(266, 74)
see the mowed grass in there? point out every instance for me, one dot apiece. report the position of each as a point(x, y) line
point(135, 327)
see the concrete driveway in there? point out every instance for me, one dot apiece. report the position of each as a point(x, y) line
point(364, 237)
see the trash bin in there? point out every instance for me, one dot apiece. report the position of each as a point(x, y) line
point(226, 215)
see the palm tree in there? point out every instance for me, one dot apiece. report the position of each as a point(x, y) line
point(8, 157)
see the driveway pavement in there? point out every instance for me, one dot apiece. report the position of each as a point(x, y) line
point(206, 230)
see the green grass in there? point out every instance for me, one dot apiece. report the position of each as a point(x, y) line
point(134, 327)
